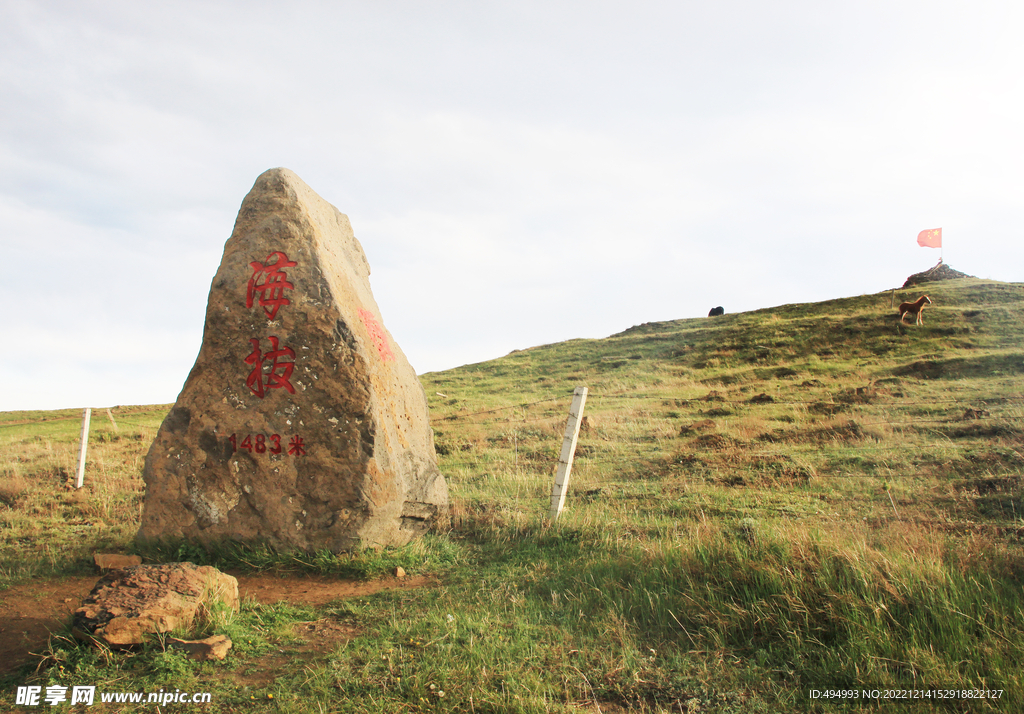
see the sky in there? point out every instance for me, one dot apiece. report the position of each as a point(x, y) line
point(518, 173)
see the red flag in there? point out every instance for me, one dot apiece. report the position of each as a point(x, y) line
point(931, 238)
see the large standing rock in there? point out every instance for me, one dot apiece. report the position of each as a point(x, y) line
point(302, 424)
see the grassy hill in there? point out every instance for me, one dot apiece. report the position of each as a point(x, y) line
point(802, 498)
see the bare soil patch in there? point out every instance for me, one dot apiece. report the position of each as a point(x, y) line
point(30, 612)
point(318, 589)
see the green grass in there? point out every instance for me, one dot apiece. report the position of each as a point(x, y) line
point(803, 497)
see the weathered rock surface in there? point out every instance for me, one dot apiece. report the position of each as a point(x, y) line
point(302, 424)
point(126, 605)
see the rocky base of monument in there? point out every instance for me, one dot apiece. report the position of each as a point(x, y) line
point(127, 605)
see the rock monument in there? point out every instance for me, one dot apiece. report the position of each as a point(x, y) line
point(302, 424)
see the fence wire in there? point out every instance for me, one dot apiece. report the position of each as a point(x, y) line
point(455, 457)
point(675, 457)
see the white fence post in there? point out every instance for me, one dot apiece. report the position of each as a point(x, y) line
point(572, 433)
point(84, 443)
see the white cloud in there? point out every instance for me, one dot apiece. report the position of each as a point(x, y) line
point(518, 173)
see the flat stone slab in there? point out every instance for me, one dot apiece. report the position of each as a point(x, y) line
point(210, 648)
point(126, 605)
point(115, 561)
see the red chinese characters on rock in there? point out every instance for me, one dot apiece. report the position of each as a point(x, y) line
point(268, 283)
point(279, 373)
point(266, 287)
point(263, 444)
point(380, 339)
point(296, 447)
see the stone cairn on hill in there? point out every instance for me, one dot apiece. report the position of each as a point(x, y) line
point(302, 425)
point(939, 272)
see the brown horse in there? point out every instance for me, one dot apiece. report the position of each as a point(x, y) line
point(914, 308)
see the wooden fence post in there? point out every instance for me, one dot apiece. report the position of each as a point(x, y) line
point(572, 433)
point(84, 444)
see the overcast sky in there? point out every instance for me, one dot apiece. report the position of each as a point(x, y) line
point(518, 173)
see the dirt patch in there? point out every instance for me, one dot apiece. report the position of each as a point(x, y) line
point(319, 589)
point(31, 611)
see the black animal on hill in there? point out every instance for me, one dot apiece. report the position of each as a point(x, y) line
point(715, 311)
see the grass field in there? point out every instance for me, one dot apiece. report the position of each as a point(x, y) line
point(806, 497)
